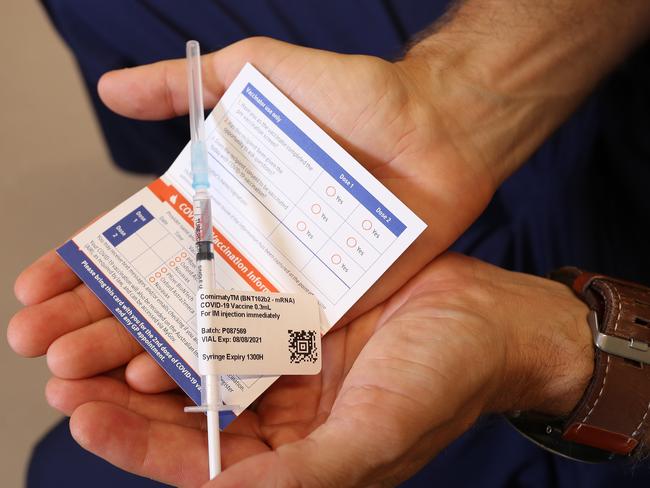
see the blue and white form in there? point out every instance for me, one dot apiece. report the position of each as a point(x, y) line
point(301, 192)
point(295, 213)
point(325, 161)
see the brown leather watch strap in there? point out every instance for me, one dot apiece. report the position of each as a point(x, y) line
point(614, 412)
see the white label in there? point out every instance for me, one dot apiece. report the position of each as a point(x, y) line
point(248, 333)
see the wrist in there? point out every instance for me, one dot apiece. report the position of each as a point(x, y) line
point(565, 363)
point(460, 105)
point(550, 353)
point(495, 127)
point(505, 85)
point(610, 418)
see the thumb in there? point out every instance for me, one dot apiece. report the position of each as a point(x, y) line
point(159, 90)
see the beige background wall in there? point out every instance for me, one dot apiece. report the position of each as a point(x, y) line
point(52, 157)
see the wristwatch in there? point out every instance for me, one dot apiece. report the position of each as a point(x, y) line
point(612, 417)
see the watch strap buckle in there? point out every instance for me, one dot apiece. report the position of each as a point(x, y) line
point(634, 350)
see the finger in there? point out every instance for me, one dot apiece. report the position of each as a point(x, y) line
point(33, 329)
point(97, 348)
point(145, 375)
point(166, 452)
point(46, 277)
point(159, 90)
point(116, 374)
point(67, 395)
point(170, 453)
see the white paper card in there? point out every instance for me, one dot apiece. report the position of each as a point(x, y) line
point(292, 211)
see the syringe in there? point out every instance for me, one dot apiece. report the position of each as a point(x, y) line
point(210, 383)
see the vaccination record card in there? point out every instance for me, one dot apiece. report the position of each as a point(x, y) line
point(293, 212)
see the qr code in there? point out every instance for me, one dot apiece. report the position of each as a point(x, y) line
point(302, 346)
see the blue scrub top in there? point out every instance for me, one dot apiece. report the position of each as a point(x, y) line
point(581, 199)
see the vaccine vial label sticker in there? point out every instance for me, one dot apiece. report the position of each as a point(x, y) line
point(247, 333)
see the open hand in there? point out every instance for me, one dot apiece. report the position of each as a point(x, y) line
point(390, 116)
point(398, 384)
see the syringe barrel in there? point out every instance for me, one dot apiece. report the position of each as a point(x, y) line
point(202, 217)
point(211, 391)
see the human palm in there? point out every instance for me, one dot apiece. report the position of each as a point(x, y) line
point(393, 384)
point(384, 114)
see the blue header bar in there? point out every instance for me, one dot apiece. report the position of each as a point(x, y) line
point(128, 225)
point(326, 162)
